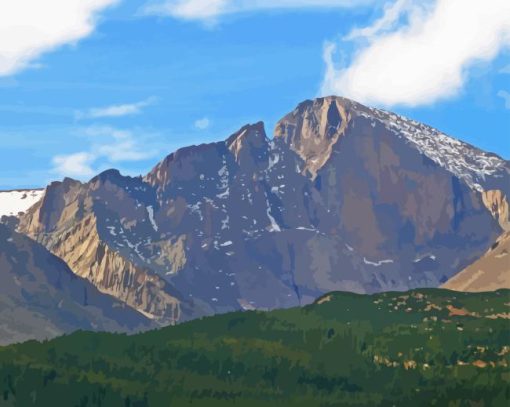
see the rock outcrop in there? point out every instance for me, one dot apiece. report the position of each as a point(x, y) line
point(40, 297)
point(497, 203)
point(66, 222)
point(489, 273)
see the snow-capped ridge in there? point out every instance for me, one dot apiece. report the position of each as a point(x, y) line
point(18, 201)
point(465, 161)
point(315, 123)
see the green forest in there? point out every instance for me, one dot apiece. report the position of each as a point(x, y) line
point(425, 347)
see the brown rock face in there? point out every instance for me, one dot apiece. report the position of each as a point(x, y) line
point(93, 259)
point(343, 198)
point(41, 298)
point(490, 272)
point(68, 211)
point(314, 128)
point(497, 203)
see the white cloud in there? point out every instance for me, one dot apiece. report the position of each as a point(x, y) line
point(506, 97)
point(124, 145)
point(74, 165)
point(210, 10)
point(189, 9)
point(425, 59)
point(109, 147)
point(392, 13)
point(115, 110)
point(202, 123)
point(28, 28)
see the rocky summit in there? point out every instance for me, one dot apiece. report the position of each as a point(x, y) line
point(343, 197)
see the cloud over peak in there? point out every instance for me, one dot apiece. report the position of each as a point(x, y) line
point(109, 147)
point(424, 59)
point(74, 165)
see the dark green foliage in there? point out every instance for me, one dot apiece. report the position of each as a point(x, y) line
point(421, 348)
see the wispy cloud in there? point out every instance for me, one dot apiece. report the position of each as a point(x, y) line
point(390, 17)
point(74, 165)
point(109, 147)
point(203, 123)
point(505, 69)
point(126, 109)
point(419, 52)
point(121, 145)
point(210, 10)
point(30, 28)
point(506, 97)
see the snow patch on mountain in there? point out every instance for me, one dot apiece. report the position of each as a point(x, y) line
point(150, 212)
point(274, 227)
point(466, 162)
point(377, 263)
point(14, 202)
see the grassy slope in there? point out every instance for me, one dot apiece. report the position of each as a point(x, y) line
point(425, 347)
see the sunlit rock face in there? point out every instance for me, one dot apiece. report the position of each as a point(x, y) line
point(344, 197)
point(488, 273)
point(40, 297)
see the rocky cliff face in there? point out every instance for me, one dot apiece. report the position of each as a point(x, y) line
point(496, 202)
point(40, 297)
point(490, 272)
point(73, 222)
point(344, 197)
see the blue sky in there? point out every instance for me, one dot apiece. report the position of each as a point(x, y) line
point(138, 82)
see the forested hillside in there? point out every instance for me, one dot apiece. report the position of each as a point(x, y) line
point(424, 347)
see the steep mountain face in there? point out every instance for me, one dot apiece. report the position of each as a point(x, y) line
point(490, 272)
point(12, 203)
point(344, 197)
point(40, 297)
point(74, 222)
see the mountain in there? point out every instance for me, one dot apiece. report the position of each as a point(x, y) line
point(344, 197)
point(14, 202)
point(423, 348)
point(490, 272)
point(40, 297)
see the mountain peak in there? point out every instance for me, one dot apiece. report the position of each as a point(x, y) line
point(247, 143)
point(253, 133)
point(314, 127)
point(325, 102)
point(110, 174)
